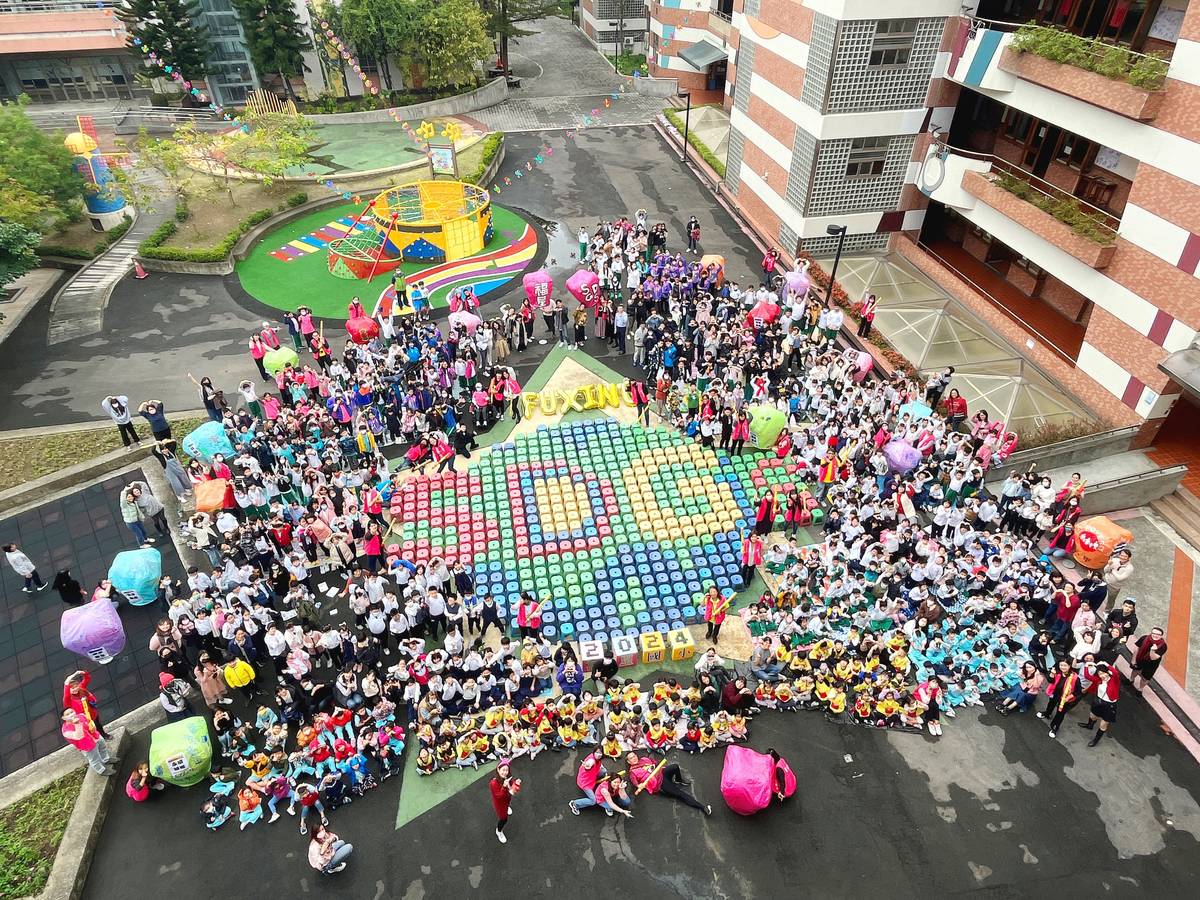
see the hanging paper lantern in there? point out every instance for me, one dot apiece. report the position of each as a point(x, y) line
point(135, 573)
point(93, 630)
point(539, 286)
point(181, 752)
point(584, 286)
point(275, 361)
point(207, 441)
point(362, 329)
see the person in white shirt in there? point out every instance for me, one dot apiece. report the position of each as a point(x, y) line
point(23, 566)
point(117, 408)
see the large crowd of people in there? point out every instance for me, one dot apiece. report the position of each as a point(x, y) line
point(323, 655)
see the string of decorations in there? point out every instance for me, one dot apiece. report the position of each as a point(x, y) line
point(155, 57)
point(586, 121)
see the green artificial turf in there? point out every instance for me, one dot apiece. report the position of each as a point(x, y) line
point(305, 281)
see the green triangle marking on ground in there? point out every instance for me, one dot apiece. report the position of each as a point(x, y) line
point(422, 793)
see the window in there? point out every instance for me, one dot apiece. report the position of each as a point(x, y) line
point(1074, 151)
point(893, 42)
point(867, 156)
point(1029, 266)
point(1016, 124)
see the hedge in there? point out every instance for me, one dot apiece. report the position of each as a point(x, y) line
point(700, 147)
point(152, 247)
point(109, 238)
point(491, 146)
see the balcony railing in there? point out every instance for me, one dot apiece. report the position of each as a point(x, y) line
point(1142, 70)
point(1105, 223)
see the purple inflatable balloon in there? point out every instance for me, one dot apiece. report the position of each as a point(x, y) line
point(585, 287)
point(538, 287)
point(901, 456)
point(798, 281)
point(93, 630)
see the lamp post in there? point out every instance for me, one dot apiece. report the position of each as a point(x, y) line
point(687, 120)
point(840, 231)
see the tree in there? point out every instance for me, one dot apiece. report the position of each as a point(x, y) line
point(198, 162)
point(328, 55)
point(453, 37)
point(376, 28)
point(17, 251)
point(38, 182)
point(505, 17)
point(276, 40)
point(173, 29)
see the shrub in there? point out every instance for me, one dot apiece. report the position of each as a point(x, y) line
point(182, 211)
point(152, 247)
point(1147, 72)
point(296, 199)
point(107, 239)
point(491, 146)
point(698, 145)
point(1056, 432)
point(1066, 209)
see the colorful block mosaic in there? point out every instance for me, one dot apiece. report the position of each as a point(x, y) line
point(317, 239)
point(623, 528)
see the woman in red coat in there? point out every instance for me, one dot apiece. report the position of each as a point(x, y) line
point(956, 409)
point(768, 507)
point(503, 787)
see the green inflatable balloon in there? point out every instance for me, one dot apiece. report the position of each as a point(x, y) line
point(766, 424)
point(180, 752)
point(275, 360)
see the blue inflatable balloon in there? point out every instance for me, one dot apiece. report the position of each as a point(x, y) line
point(207, 441)
point(135, 573)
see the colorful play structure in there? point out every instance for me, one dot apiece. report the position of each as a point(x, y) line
point(423, 222)
point(622, 527)
point(102, 196)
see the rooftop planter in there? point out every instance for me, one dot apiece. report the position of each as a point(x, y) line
point(1116, 78)
point(1060, 220)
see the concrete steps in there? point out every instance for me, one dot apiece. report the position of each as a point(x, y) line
point(1181, 510)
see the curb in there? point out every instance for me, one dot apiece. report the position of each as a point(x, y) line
point(74, 857)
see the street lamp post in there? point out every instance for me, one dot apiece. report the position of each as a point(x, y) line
point(687, 120)
point(840, 231)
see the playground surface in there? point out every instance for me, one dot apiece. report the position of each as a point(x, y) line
point(368, 146)
point(292, 261)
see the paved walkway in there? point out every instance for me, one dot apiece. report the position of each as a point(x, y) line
point(78, 311)
point(557, 61)
point(563, 78)
point(81, 532)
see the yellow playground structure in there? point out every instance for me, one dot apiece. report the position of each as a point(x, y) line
point(426, 222)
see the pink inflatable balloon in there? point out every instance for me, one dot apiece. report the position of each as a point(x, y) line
point(863, 365)
point(468, 320)
point(748, 780)
point(538, 287)
point(585, 287)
